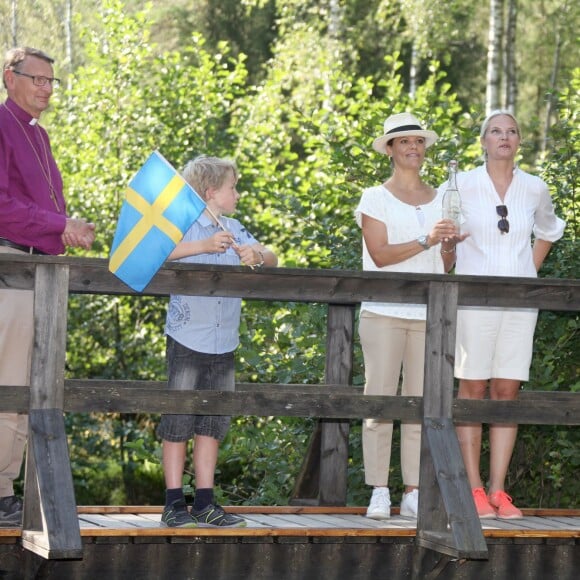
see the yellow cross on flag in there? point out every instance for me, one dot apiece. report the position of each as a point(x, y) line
point(159, 208)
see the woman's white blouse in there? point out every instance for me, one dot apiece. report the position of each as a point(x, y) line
point(488, 252)
point(404, 223)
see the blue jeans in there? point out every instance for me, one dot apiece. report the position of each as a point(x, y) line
point(189, 370)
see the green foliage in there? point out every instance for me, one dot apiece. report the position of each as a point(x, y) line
point(301, 130)
point(556, 363)
point(260, 457)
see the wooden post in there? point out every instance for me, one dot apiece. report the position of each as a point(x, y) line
point(334, 436)
point(445, 495)
point(307, 485)
point(50, 524)
point(323, 476)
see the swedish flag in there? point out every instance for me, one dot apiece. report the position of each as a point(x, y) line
point(159, 208)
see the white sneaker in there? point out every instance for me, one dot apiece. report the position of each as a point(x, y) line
point(380, 504)
point(410, 504)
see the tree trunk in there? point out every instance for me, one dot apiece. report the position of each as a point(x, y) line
point(335, 19)
point(14, 23)
point(414, 70)
point(69, 38)
point(494, 55)
point(511, 84)
point(554, 76)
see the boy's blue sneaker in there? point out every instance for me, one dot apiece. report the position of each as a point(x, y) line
point(177, 515)
point(213, 516)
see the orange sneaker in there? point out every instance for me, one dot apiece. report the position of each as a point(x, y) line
point(504, 506)
point(482, 505)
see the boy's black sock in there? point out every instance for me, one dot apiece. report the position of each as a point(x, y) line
point(172, 495)
point(203, 497)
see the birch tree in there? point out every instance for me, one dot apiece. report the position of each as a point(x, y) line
point(494, 60)
point(511, 84)
point(14, 22)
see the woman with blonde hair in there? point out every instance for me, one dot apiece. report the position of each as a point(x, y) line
point(504, 209)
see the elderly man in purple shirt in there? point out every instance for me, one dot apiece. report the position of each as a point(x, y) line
point(33, 220)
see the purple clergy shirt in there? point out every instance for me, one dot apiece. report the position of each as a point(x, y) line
point(29, 213)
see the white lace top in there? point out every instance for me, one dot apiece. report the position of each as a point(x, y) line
point(404, 223)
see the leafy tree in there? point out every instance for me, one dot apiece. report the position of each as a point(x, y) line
point(299, 115)
point(126, 102)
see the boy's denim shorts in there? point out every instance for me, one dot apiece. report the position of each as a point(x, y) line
point(191, 370)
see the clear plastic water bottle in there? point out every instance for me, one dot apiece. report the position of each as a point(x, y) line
point(451, 198)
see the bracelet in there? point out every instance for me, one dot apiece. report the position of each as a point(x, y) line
point(451, 251)
point(261, 262)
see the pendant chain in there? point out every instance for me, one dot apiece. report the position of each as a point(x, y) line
point(45, 170)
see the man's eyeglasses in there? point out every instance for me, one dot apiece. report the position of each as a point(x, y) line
point(39, 81)
point(503, 224)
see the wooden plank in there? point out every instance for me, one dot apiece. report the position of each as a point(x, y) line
point(539, 407)
point(440, 350)
point(83, 396)
point(278, 403)
point(236, 509)
point(91, 276)
point(334, 435)
point(277, 521)
point(536, 523)
point(437, 399)
point(455, 490)
point(59, 536)
point(84, 525)
point(252, 522)
point(394, 523)
point(446, 543)
point(17, 274)
point(543, 409)
point(108, 522)
point(115, 521)
point(312, 521)
point(32, 510)
point(515, 533)
point(570, 522)
point(50, 324)
point(50, 524)
point(136, 520)
point(571, 515)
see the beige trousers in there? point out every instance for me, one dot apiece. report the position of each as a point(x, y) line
point(16, 338)
point(391, 345)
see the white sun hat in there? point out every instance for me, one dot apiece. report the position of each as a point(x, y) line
point(400, 125)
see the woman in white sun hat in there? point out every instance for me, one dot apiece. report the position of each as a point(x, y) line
point(402, 231)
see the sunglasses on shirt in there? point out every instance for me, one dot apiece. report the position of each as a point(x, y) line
point(502, 224)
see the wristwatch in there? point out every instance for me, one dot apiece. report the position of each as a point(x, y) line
point(424, 242)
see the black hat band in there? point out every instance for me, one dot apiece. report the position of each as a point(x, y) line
point(404, 128)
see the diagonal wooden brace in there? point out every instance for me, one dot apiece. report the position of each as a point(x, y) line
point(51, 527)
point(465, 537)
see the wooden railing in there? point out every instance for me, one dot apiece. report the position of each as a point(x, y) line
point(447, 522)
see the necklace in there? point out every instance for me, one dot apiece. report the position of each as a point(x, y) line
point(45, 168)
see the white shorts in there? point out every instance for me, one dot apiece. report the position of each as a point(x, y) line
point(494, 343)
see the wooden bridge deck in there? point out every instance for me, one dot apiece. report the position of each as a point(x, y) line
point(101, 521)
point(313, 521)
point(292, 543)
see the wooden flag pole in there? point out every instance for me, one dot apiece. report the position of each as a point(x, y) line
point(219, 223)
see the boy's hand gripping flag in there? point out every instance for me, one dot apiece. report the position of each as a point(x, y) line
point(159, 208)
